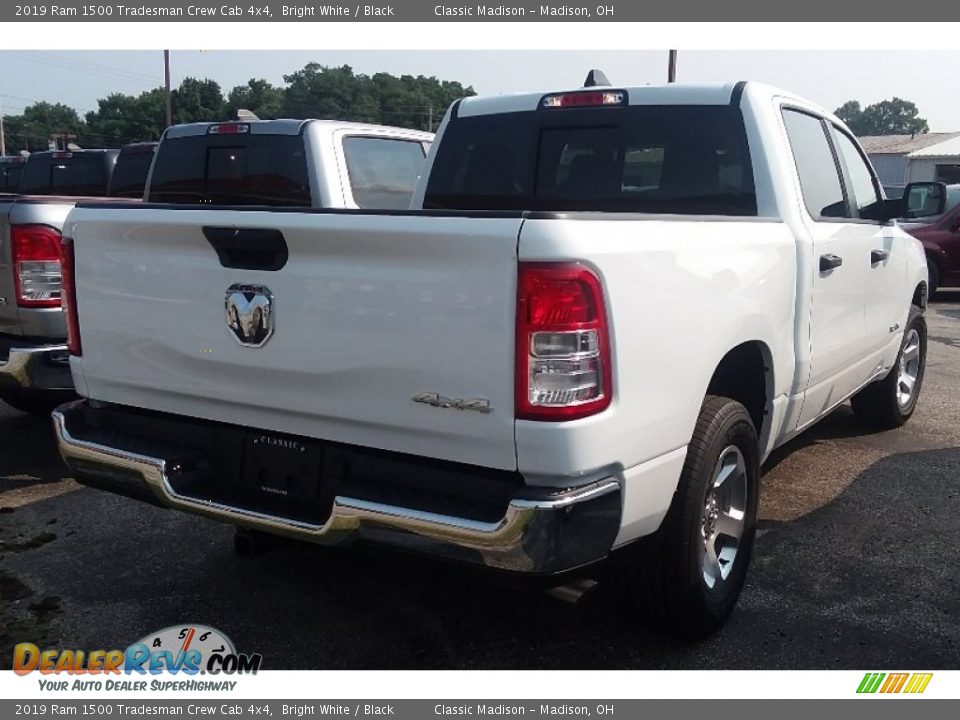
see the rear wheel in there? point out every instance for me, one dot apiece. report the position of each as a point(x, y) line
point(688, 576)
point(890, 402)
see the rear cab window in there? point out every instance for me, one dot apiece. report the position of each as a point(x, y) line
point(383, 171)
point(11, 170)
point(685, 159)
point(66, 173)
point(231, 169)
point(130, 173)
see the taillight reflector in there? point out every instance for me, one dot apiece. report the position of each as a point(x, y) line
point(69, 298)
point(36, 265)
point(563, 344)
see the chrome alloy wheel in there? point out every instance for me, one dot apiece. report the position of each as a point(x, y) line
point(724, 515)
point(909, 368)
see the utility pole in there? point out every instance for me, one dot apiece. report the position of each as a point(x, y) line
point(672, 67)
point(430, 120)
point(3, 140)
point(166, 82)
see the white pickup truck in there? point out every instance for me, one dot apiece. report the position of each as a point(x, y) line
point(606, 308)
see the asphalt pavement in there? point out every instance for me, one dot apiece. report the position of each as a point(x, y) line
point(856, 566)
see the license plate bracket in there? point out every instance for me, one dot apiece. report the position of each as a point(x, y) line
point(282, 468)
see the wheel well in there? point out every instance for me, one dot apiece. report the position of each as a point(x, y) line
point(743, 375)
point(933, 257)
point(920, 296)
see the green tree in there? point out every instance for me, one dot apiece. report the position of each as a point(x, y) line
point(887, 117)
point(257, 96)
point(339, 93)
point(416, 102)
point(121, 119)
point(39, 124)
point(851, 113)
point(198, 101)
point(18, 138)
point(315, 91)
point(330, 93)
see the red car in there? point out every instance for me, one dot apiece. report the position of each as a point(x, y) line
point(940, 236)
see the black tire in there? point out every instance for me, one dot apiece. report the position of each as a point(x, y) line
point(667, 573)
point(933, 277)
point(880, 404)
point(39, 404)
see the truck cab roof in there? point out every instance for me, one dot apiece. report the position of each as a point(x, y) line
point(654, 94)
point(285, 126)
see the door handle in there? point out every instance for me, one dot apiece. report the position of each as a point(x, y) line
point(829, 262)
point(878, 256)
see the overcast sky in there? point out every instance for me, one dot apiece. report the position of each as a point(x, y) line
point(929, 78)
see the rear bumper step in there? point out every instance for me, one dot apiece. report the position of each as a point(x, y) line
point(541, 531)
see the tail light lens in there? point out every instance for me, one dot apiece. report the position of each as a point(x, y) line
point(70, 297)
point(563, 344)
point(36, 263)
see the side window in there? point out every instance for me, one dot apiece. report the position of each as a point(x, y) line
point(383, 172)
point(819, 178)
point(866, 198)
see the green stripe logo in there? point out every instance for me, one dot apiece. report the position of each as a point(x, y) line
point(871, 682)
point(895, 683)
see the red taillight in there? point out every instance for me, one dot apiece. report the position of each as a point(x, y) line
point(563, 345)
point(36, 265)
point(69, 300)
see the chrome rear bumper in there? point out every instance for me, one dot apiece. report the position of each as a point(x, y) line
point(46, 367)
point(544, 534)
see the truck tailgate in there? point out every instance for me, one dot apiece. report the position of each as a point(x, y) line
point(369, 311)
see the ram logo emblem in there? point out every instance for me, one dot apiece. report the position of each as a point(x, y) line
point(250, 314)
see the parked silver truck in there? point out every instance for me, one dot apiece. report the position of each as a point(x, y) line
point(34, 363)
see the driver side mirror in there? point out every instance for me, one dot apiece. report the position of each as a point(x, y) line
point(924, 199)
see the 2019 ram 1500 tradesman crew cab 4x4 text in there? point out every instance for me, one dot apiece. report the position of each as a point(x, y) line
point(606, 309)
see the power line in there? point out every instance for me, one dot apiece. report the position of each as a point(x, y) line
point(34, 101)
point(91, 64)
point(116, 75)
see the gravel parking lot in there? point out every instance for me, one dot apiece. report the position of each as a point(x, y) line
point(855, 567)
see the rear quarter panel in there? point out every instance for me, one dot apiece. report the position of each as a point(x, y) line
point(680, 294)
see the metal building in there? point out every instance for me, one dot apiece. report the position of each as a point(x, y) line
point(899, 159)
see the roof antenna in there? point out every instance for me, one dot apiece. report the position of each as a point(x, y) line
point(595, 78)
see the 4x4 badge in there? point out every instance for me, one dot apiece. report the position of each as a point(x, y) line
point(439, 401)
